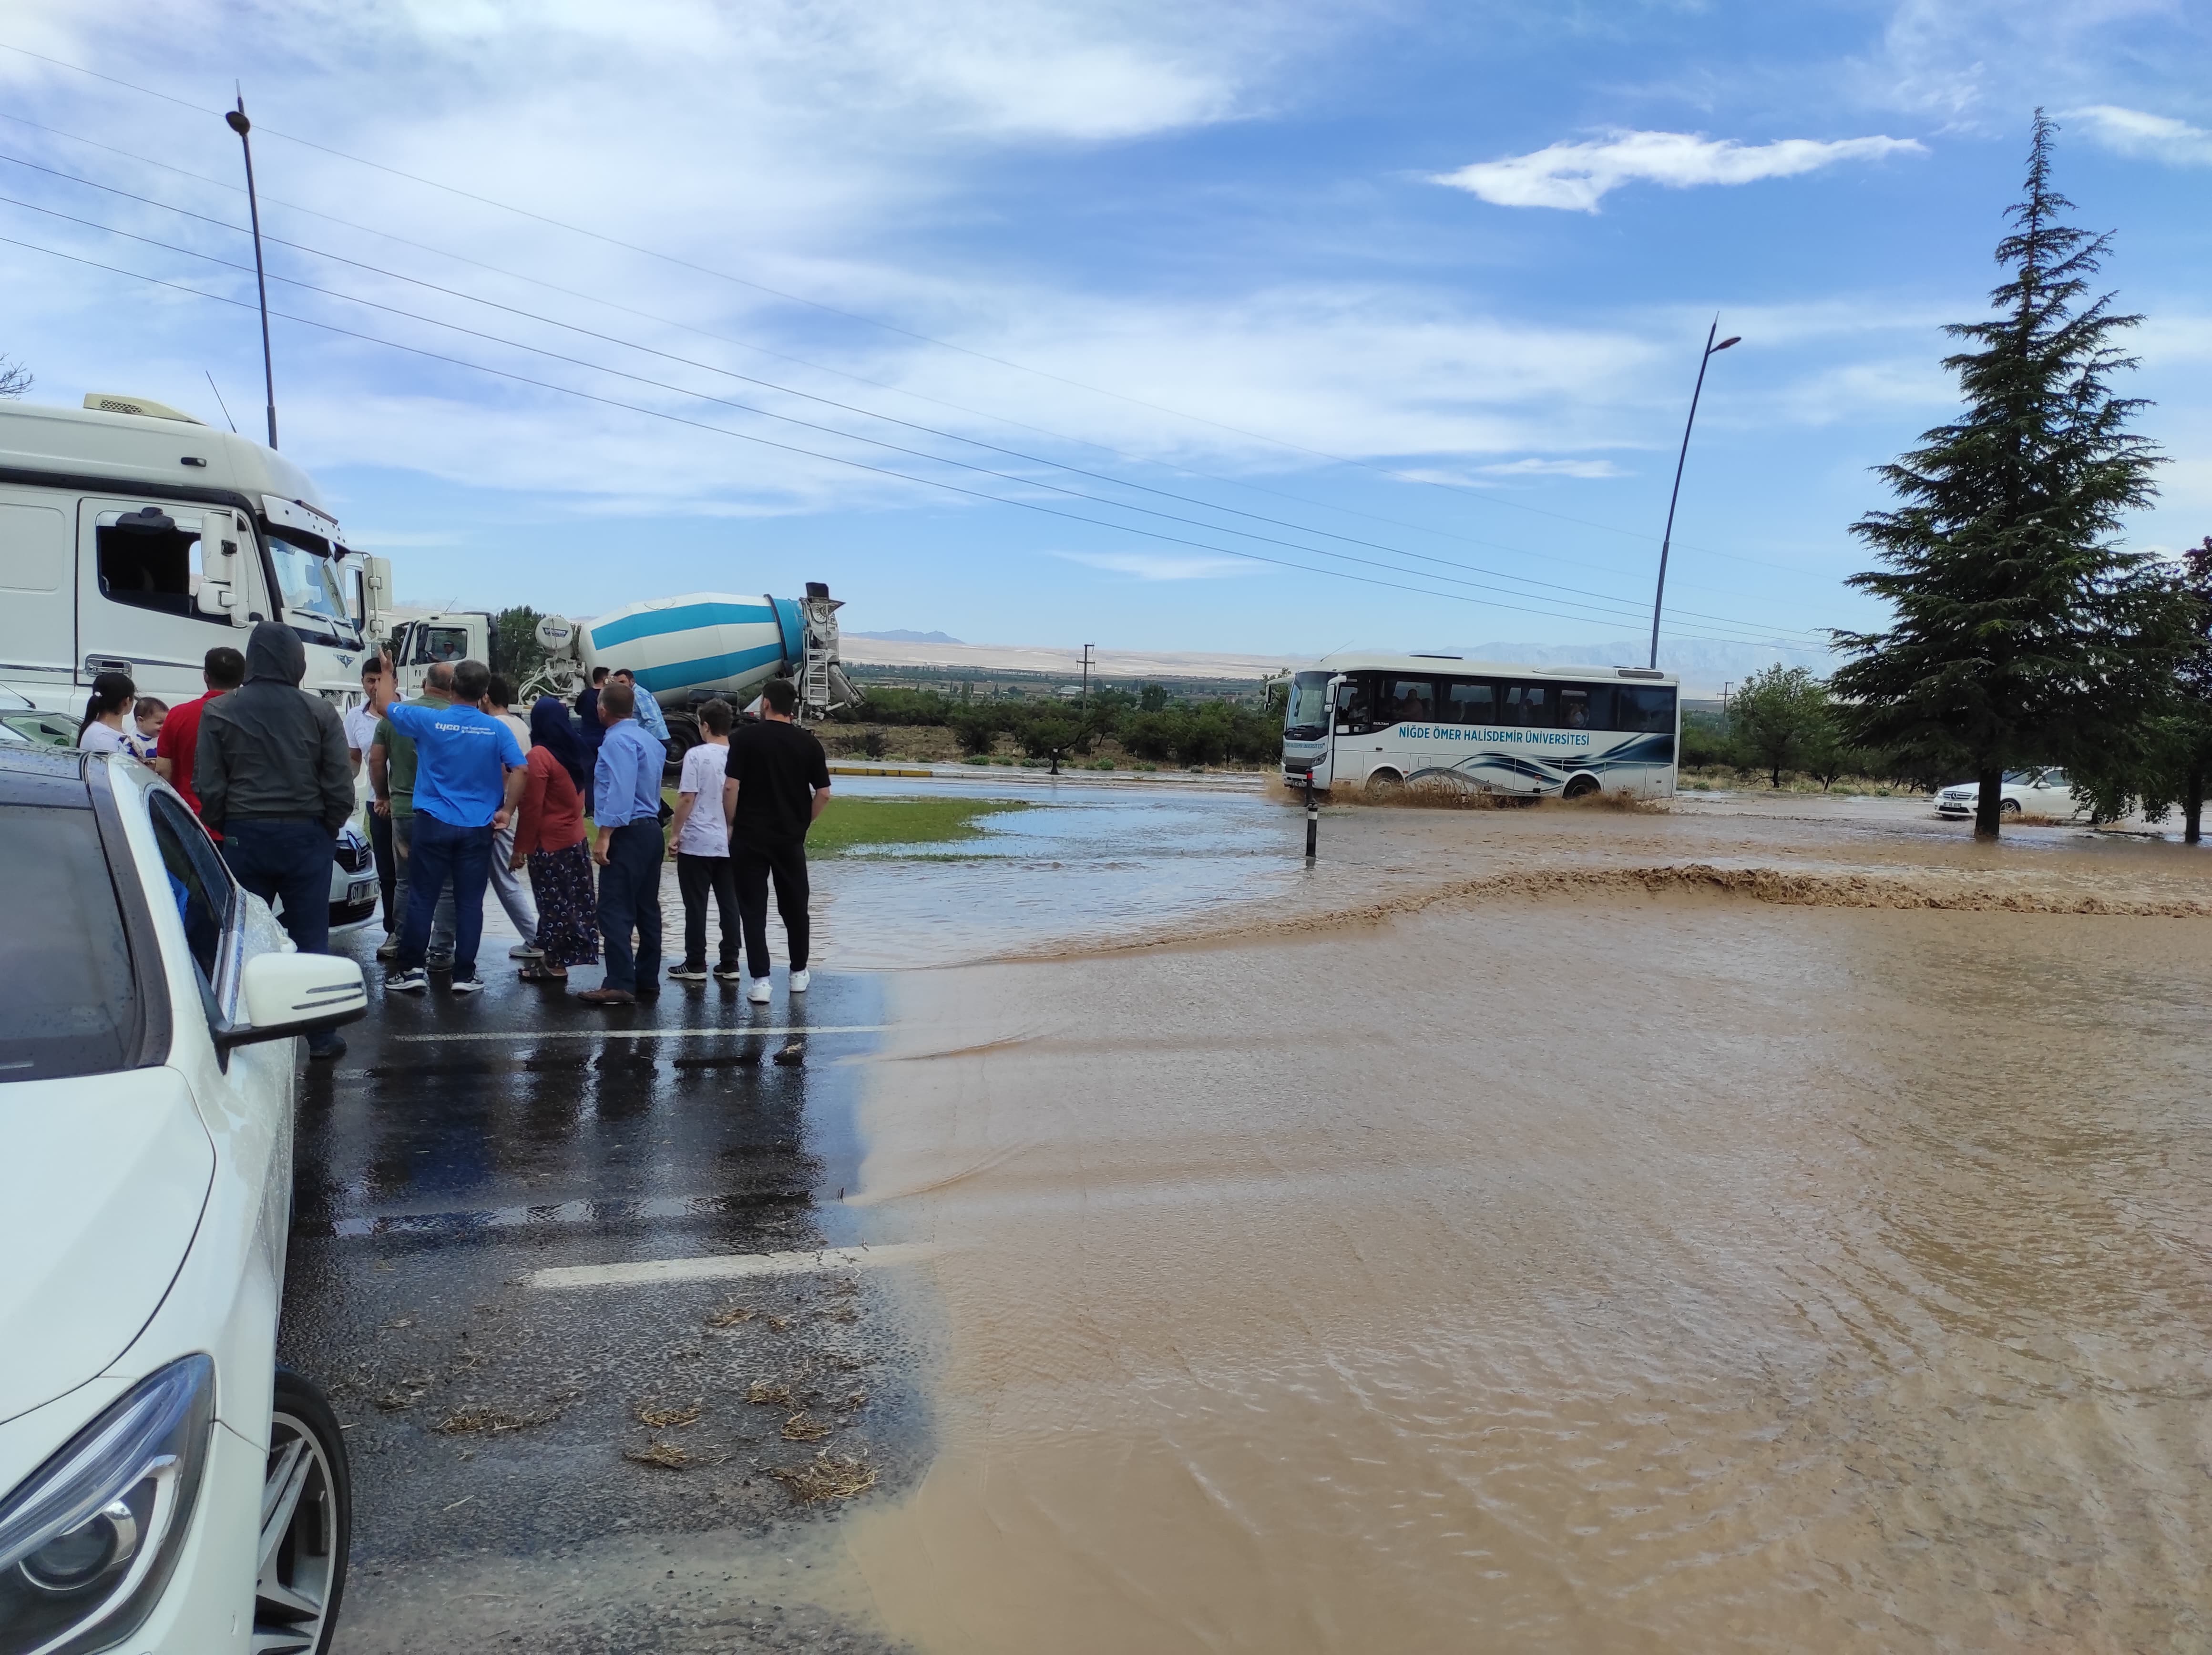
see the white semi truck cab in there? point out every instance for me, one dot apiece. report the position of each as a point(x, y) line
point(134, 538)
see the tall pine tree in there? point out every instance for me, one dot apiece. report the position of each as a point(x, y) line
point(2020, 632)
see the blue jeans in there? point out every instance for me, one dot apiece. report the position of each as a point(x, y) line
point(629, 900)
point(440, 852)
point(288, 862)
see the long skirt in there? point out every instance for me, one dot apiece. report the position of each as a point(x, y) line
point(567, 907)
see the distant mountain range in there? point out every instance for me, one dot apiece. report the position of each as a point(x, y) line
point(1703, 666)
point(902, 636)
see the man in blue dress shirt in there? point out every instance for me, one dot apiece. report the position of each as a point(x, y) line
point(468, 779)
point(650, 718)
point(626, 799)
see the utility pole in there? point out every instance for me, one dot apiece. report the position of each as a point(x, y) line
point(1711, 351)
point(239, 124)
point(1084, 708)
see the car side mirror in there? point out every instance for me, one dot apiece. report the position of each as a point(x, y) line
point(286, 994)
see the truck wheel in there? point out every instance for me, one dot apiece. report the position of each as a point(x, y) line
point(1581, 787)
point(307, 1524)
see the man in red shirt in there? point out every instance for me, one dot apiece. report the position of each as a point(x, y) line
point(222, 670)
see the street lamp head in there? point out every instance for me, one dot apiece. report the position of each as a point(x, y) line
point(1733, 339)
point(238, 122)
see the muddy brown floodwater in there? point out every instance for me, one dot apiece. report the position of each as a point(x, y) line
point(1623, 1261)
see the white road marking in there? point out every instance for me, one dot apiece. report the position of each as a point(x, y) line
point(723, 1266)
point(613, 1033)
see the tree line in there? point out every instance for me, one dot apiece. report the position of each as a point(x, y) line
point(1148, 722)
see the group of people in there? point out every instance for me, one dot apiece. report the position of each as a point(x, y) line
point(468, 797)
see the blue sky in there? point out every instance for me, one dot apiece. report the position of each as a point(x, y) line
point(1425, 285)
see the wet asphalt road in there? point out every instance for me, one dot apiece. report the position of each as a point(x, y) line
point(504, 1436)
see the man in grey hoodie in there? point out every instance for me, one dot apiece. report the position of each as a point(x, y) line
point(275, 780)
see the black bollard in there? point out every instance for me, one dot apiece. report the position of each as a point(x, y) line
point(1313, 820)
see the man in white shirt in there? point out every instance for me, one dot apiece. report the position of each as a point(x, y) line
point(379, 686)
point(702, 837)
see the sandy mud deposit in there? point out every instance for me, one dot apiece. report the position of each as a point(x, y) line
point(1731, 1229)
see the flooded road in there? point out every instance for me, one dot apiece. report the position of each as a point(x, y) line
point(1766, 1225)
point(1603, 1271)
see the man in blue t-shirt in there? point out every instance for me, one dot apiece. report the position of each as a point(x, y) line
point(468, 777)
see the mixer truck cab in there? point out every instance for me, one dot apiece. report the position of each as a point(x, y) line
point(447, 636)
point(134, 538)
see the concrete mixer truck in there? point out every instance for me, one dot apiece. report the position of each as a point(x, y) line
point(686, 651)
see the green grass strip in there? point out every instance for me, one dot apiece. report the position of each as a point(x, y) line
point(851, 822)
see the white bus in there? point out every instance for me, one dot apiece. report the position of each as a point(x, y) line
point(1380, 721)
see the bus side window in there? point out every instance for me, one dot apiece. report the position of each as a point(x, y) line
point(1468, 702)
point(1536, 705)
point(1647, 711)
point(1407, 700)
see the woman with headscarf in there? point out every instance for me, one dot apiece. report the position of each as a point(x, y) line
point(102, 730)
point(548, 840)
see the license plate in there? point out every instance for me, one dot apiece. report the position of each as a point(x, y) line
point(358, 892)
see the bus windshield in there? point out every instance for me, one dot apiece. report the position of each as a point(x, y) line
point(1306, 714)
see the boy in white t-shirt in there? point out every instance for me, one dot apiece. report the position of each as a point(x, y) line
point(701, 835)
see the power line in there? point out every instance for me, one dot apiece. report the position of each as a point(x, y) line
point(1607, 607)
point(821, 367)
point(854, 316)
point(1626, 609)
point(789, 448)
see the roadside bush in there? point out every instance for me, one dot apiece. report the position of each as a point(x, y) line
point(977, 732)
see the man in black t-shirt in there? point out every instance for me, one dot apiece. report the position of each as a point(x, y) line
point(778, 781)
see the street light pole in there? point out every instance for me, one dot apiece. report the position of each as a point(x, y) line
point(239, 124)
point(1658, 597)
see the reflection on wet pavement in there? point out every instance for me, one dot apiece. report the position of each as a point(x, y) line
point(464, 1145)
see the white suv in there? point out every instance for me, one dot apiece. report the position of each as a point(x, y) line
point(162, 1481)
point(2025, 792)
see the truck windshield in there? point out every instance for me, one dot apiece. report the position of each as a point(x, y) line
point(66, 990)
point(1305, 715)
point(316, 603)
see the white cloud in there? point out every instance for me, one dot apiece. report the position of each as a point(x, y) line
point(1536, 468)
point(1165, 566)
point(2157, 137)
point(1576, 177)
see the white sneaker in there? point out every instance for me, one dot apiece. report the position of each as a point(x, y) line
point(799, 980)
point(523, 951)
point(758, 992)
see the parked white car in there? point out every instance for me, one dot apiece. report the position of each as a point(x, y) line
point(164, 1486)
point(2025, 792)
point(353, 865)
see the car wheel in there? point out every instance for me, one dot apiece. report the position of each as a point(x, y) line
point(1581, 788)
point(1384, 784)
point(2008, 807)
point(307, 1523)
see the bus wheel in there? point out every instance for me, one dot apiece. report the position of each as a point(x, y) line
point(1581, 787)
point(1384, 786)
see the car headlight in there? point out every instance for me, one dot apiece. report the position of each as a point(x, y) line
point(88, 1540)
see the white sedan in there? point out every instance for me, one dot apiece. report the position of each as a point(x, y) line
point(164, 1485)
point(2025, 792)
